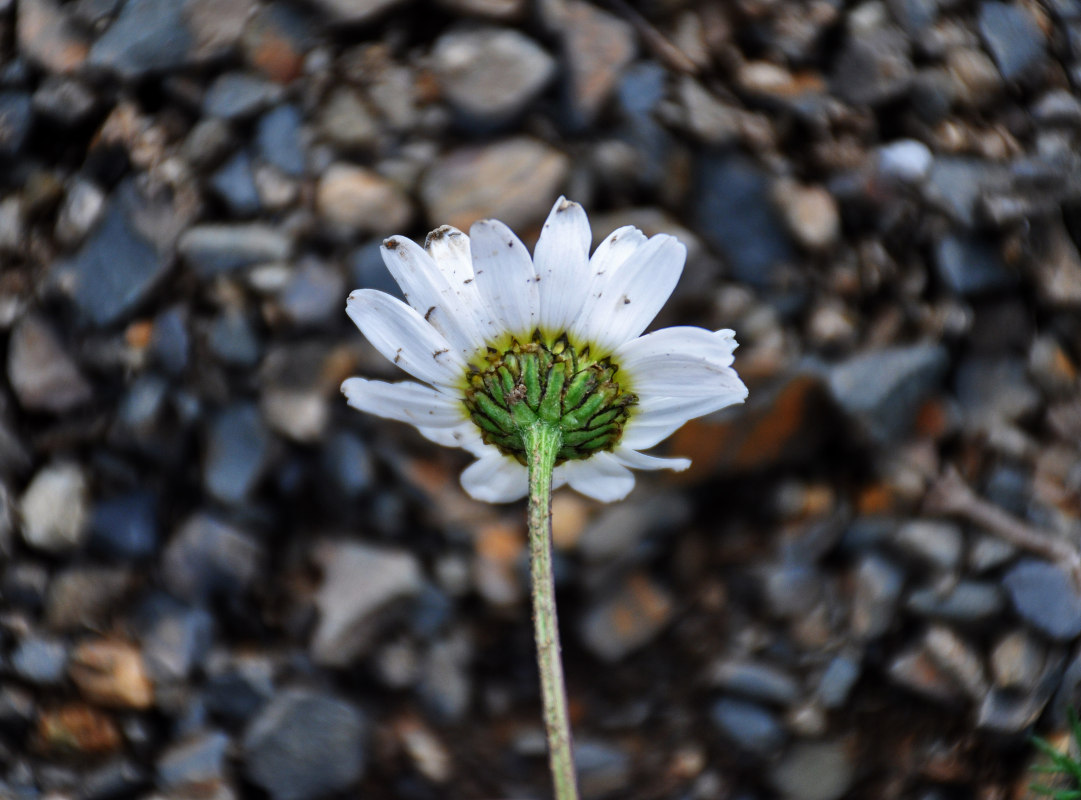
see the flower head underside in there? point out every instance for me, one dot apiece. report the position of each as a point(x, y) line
point(499, 340)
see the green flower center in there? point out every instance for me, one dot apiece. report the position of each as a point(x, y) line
point(553, 382)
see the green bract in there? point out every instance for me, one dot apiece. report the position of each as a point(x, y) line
point(555, 383)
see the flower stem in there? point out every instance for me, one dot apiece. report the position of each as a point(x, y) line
point(542, 443)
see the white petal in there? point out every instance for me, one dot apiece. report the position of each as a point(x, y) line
point(466, 436)
point(561, 259)
point(716, 346)
point(636, 292)
point(406, 402)
point(449, 249)
point(505, 277)
point(600, 476)
point(495, 478)
point(401, 335)
point(657, 418)
point(642, 433)
point(661, 409)
point(611, 253)
point(635, 460)
point(682, 362)
point(449, 305)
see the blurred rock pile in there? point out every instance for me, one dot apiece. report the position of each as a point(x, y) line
point(218, 582)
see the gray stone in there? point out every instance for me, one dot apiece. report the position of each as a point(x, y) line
point(597, 47)
point(878, 588)
point(234, 183)
point(313, 295)
point(305, 744)
point(361, 586)
point(207, 558)
point(40, 661)
point(915, 16)
point(349, 464)
point(956, 185)
point(995, 390)
point(641, 93)
point(278, 140)
point(63, 100)
point(445, 684)
point(1009, 712)
point(935, 542)
point(233, 340)
point(814, 771)
point(237, 453)
point(882, 390)
point(603, 769)
point(353, 11)
point(175, 638)
point(238, 689)
point(239, 95)
point(16, 115)
point(494, 9)
point(1046, 597)
point(905, 159)
point(756, 680)
point(125, 527)
point(1058, 107)
point(214, 249)
point(155, 36)
point(967, 602)
point(512, 180)
point(170, 341)
point(209, 143)
point(43, 376)
point(346, 121)
point(616, 531)
point(1013, 37)
point(148, 36)
point(85, 596)
point(872, 69)
point(706, 116)
point(837, 681)
point(734, 212)
point(54, 508)
point(749, 726)
point(193, 762)
point(988, 553)
point(121, 261)
point(490, 75)
point(80, 210)
point(970, 264)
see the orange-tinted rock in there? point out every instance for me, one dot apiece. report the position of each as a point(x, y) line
point(627, 619)
point(111, 673)
point(785, 425)
point(77, 729)
point(275, 41)
point(47, 36)
point(499, 550)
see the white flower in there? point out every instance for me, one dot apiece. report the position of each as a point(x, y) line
point(483, 317)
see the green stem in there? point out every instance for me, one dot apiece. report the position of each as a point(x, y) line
point(542, 443)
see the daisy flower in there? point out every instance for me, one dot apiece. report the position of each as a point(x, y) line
point(498, 340)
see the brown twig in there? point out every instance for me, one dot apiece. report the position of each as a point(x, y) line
point(949, 494)
point(670, 55)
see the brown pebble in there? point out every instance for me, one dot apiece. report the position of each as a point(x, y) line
point(111, 673)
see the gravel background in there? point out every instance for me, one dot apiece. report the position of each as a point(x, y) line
point(217, 581)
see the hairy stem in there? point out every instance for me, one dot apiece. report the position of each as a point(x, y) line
point(542, 443)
